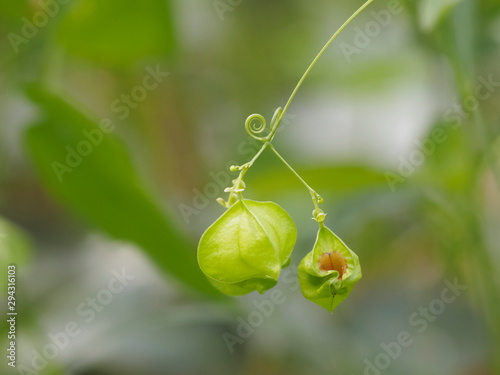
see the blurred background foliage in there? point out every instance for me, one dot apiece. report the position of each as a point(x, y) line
point(145, 193)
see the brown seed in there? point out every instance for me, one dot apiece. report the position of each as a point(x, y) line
point(333, 262)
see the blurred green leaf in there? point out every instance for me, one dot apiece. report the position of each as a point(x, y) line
point(117, 34)
point(335, 179)
point(104, 186)
point(432, 11)
point(448, 163)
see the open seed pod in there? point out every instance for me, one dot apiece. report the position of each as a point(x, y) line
point(329, 272)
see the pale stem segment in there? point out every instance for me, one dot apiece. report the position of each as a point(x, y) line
point(316, 198)
point(313, 63)
point(239, 185)
point(245, 167)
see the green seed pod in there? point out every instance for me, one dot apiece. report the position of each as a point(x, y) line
point(328, 273)
point(246, 248)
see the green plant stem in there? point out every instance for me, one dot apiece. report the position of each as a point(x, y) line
point(248, 165)
point(313, 63)
point(280, 114)
point(316, 198)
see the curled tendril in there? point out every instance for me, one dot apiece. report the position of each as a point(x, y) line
point(256, 124)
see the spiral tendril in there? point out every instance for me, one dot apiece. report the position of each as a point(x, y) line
point(254, 125)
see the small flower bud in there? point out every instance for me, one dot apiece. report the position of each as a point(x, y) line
point(222, 202)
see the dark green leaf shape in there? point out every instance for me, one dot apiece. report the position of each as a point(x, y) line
point(105, 188)
point(246, 248)
point(115, 33)
point(431, 12)
point(324, 287)
point(330, 180)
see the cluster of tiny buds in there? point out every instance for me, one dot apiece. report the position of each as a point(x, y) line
point(234, 191)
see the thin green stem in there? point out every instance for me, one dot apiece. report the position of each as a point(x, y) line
point(275, 124)
point(313, 63)
point(248, 165)
point(316, 198)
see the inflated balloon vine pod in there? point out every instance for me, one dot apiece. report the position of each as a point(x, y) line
point(246, 248)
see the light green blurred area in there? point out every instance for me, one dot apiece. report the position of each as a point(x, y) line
point(148, 101)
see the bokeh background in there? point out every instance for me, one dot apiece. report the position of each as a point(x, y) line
point(137, 204)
